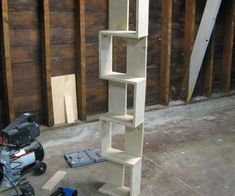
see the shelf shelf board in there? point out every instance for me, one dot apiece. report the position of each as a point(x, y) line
point(124, 34)
point(113, 190)
point(121, 157)
point(122, 77)
point(120, 119)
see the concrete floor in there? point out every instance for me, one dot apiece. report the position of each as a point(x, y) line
point(188, 150)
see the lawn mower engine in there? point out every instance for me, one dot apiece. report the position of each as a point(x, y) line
point(19, 152)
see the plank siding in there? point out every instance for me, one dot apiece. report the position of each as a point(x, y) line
point(96, 19)
point(24, 24)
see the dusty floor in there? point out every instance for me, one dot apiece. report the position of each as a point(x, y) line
point(183, 156)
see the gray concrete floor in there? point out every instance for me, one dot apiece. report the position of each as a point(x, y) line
point(190, 153)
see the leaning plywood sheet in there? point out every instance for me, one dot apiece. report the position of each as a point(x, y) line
point(202, 41)
point(63, 86)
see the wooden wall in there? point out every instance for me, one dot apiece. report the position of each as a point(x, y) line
point(26, 37)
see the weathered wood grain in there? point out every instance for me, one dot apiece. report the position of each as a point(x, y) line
point(166, 34)
point(228, 45)
point(189, 37)
point(208, 69)
point(6, 59)
point(19, 5)
point(46, 61)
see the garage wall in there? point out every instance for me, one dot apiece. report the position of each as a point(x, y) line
point(26, 52)
point(24, 24)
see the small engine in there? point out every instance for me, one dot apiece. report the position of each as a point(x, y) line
point(20, 151)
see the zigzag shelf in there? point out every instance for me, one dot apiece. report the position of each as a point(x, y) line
point(136, 60)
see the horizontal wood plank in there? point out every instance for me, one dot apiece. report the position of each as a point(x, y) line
point(63, 67)
point(31, 53)
point(23, 5)
point(24, 20)
point(27, 87)
point(62, 19)
point(62, 5)
point(28, 103)
point(26, 71)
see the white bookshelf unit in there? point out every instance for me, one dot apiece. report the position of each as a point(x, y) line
point(136, 62)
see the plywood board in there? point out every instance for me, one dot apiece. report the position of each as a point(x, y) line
point(63, 86)
point(69, 109)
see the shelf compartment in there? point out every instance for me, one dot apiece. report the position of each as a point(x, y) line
point(119, 16)
point(136, 50)
point(117, 107)
point(121, 157)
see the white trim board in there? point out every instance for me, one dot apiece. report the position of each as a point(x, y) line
point(201, 43)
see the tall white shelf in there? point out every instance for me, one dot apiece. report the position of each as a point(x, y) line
point(136, 61)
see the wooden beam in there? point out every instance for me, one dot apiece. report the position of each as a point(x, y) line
point(189, 37)
point(208, 72)
point(201, 43)
point(228, 45)
point(166, 34)
point(7, 68)
point(81, 58)
point(46, 60)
